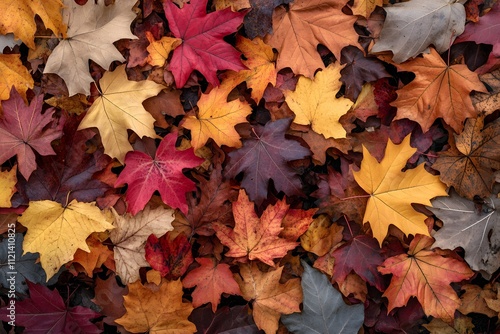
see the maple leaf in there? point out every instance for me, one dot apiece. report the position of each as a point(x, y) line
point(45, 311)
point(56, 232)
point(94, 259)
point(202, 47)
point(92, 29)
point(264, 157)
point(159, 50)
point(216, 118)
point(392, 191)
point(211, 279)
point(474, 231)
point(145, 175)
point(488, 103)
point(259, 58)
point(299, 29)
point(314, 102)
point(470, 162)
point(18, 16)
point(438, 90)
point(24, 129)
point(461, 324)
point(26, 266)
point(485, 30)
point(359, 69)
point(411, 27)
point(259, 21)
point(156, 309)
point(120, 108)
point(425, 274)
point(8, 182)
point(253, 237)
point(170, 256)
point(324, 309)
point(224, 320)
point(474, 300)
point(361, 254)
point(365, 7)
point(321, 236)
point(270, 299)
point(109, 297)
point(130, 235)
point(70, 173)
point(14, 75)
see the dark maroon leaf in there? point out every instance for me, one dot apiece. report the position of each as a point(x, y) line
point(45, 312)
point(263, 157)
point(259, 21)
point(234, 320)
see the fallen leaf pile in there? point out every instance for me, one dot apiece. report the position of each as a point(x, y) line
point(249, 166)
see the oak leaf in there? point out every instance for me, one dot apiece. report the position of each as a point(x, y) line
point(263, 157)
point(8, 182)
point(159, 50)
point(299, 29)
point(156, 309)
point(203, 47)
point(130, 235)
point(324, 309)
point(259, 58)
point(46, 312)
point(56, 232)
point(216, 118)
point(392, 191)
point(469, 164)
point(120, 108)
point(475, 231)
point(425, 274)
point(257, 239)
point(314, 102)
point(18, 17)
point(438, 90)
point(23, 130)
point(484, 31)
point(411, 27)
point(169, 256)
point(145, 175)
point(211, 279)
point(270, 299)
point(14, 74)
point(92, 29)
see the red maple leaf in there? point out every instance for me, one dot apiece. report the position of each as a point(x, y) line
point(144, 175)
point(45, 312)
point(23, 130)
point(211, 280)
point(171, 257)
point(202, 47)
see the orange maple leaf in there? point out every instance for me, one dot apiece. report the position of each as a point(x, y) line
point(438, 90)
point(270, 299)
point(425, 274)
point(299, 30)
point(257, 239)
point(211, 280)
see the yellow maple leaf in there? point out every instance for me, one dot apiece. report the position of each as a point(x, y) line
point(156, 309)
point(13, 74)
point(314, 102)
point(216, 118)
point(159, 50)
point(438, 90)
point(392, 191)
point(260, 62)
point(56, 232)
point(120, 108)
point(8, 182)
point(18, 17)
point(365, 7)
